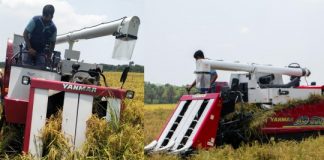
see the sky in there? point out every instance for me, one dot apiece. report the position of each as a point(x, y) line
point(277, 32)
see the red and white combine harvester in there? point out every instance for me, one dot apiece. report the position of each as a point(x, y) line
point(31, 94)
point(199, 120)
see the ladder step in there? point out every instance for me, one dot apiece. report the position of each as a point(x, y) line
point(165, 148)
point(182, 148)
point(150, 146)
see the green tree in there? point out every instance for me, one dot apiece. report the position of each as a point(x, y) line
point(168, 94)
point(150, 92)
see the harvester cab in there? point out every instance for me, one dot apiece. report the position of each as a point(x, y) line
point(213, 119)
point(31, 94)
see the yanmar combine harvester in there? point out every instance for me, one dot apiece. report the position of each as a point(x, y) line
point(199, 120)
point(31, 94)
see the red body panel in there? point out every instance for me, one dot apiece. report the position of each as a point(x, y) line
point(6, 74)
point(205, 136)
point(15, 110)
point(28, 120)
point(199, 96)
point(310, 87)
point(95, 90)
point(301, 118)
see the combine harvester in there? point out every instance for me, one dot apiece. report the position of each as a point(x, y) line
point(199, 120)
point(31, 94)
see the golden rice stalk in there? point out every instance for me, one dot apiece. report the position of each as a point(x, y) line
point(55, 144)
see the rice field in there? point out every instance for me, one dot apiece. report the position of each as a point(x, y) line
point(139, 125)
point(152, 107)
point(312, 148)
point(117, 140)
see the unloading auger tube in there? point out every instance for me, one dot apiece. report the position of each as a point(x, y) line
point(125, 28)
point(125, 31)
point(205, 65)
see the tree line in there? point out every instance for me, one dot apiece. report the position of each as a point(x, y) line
point(162, 94)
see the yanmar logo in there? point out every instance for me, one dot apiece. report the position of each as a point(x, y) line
point(198, 96)
point(79, 88)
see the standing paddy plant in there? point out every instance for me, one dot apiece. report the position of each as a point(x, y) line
point(114, 139)
point(55, 145)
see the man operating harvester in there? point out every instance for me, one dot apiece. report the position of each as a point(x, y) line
point(40, 37)
point(213, 76)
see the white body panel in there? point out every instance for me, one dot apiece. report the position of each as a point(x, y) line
point(244, 78)
point(77, 109)
point(19, 91)
point(273, 96)
point(293, 93)
point(38, 121)
point(84, 113)
point(258, 95)
point(69, 114)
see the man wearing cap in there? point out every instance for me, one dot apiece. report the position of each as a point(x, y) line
point(40, 38)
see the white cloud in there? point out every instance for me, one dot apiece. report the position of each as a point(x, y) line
point(244, 30)
point(313, 1)
point(65, 17)
point(17, 13)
